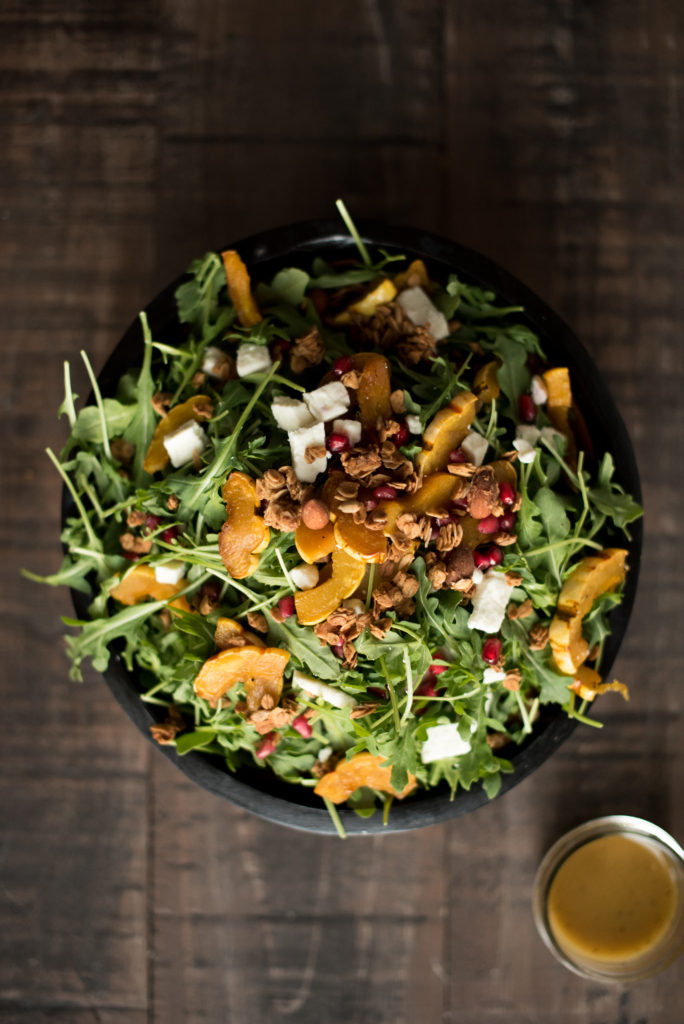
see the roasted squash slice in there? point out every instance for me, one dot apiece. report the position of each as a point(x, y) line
point(240, 288)
point(244, 534)
point(362, 770)
point(593, 576)
point(259, 668)
point(445, 432)
point(199, 408)
point(141, 583)
point(318, 603)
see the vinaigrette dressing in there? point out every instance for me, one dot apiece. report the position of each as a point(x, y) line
point(613, 900)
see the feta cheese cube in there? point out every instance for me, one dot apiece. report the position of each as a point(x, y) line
point(475, 446)
point(302, 439)
point(315, 688)
point(290, 414)
point(213, 357)
point(252, 359)
point(444, 741)
point(169, 572)
point(527, 432)
point(354, 605)
point(304, 576)
point(477, 576)
point(413, 423)
point(351, 428)
point(490, 598)
point(539, 390)
point(327, 402)
point(324, 753)
point(526, 451)
point(181, 444)
point(492, 675)
point(421, 311)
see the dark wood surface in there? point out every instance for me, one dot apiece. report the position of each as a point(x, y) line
point(134, 136)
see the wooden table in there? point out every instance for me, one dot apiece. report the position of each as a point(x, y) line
point(135, 136)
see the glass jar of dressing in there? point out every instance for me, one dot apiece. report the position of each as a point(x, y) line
point(609, 899)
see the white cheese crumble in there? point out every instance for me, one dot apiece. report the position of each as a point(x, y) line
point(169, 572)
point(444, 741)
point(304, 576)
point(528, 432)
point(538, 390)
point(526, 451)
point(413, 423)
point(350, 428)
point(489, 600)
point(315, 688)
point(478, 576)
point(475, 446)
point(290, 414)
point(328, 402)
point(252, 359)
point(421, 311)
point(181, 444)
point(354, 604)
point(302, 439)
point(492, 675)
point(213, 357)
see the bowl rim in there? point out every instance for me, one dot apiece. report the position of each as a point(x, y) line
point(289, 245)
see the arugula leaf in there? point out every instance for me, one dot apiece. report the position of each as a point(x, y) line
point(88, 426)
point(513, 376)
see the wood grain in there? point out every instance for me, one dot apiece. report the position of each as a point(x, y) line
point(546, 134)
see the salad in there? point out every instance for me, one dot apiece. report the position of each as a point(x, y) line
point(349, 529)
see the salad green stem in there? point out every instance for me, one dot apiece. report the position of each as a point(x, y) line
point(352, 229)
point(77, 501)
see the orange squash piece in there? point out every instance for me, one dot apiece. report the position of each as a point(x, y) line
point(198, 408)
point(373, 393)
point(259, 668)
point(587, 684)
point(445, 432)
point(486, 383)
point(415, 274)
point(141, 583)
point(244, 534)
point(593, 576)
point(382, 293)
point(318, 603)
point(314, 545)
point(559, 406)
point(434, 494)
point(240, 288)
point(357, 540)
point(228, 630)
point(361, 770)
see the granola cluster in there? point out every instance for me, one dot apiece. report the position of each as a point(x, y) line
point(282, 496)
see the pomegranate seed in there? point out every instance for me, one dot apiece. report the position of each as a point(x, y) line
point(132, 556)
point(426, 688)
point(461, 504)
point(267, 745)
point(494, 554)
point(507, 521)
point(527, 409)
point(506, 493)
point(151, 523)
point(401, 436)
point(384, 493)
point(301, 724)
point(337, 443)
point(434, 532)
point(338, 649)
point(378, 691)
point(343, 365)
point(370, 504)
point(170, 534)
point(437, 669)
point(490, 524)
point(286, 605)
point(481, 558)
point(444, 522)
point(457, 455)
point(491, 650)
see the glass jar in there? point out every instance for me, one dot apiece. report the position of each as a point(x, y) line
point(609, 899)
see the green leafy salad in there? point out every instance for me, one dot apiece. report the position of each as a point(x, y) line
point(348, 529)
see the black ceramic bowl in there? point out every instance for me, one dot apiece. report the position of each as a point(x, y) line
point(257, 790)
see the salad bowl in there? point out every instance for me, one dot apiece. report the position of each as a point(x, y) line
point(261, 792)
